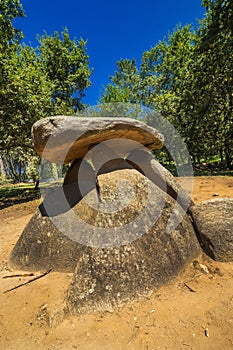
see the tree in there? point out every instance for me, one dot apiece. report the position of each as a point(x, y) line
point(9, 10)
point(39, 85)
point(24, 98)
point(67, 65)
point(10, 36)
point(188, 78)
point(214, 74)
point(35, 83)
point(161, 80)
point(125, 86)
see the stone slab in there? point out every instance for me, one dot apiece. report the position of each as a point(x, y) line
point(62, 139)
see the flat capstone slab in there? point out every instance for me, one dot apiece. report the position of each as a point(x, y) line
point(62, 139)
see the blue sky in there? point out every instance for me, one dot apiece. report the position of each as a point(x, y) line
point(114, 30)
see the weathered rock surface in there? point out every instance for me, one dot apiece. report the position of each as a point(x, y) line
point(138, 252)
point(86, 175)
point(214, 225)
point(146, 164)
point(43, 246)
point(104, 159)
point(118, 239)
point(62, 139)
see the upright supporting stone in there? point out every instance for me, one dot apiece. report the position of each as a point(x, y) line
point(145, 163)
point(105, 159)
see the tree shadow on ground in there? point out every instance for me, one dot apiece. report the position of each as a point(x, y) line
point(11, 195)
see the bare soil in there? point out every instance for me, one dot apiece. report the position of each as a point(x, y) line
point(193, 312)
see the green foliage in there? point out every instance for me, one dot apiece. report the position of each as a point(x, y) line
point(126, 83)
point(35, 83)
point(188, 78)
point(115, 93)
point(24, 98)
point(215, 75)
point(32, 88)
point(160, 80)
point(16, 194)
point(9, 10)
point(67, 65)
point(20, 164)
point(32, 168)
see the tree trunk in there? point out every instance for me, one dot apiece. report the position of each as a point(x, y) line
point(229, 161)
point(228, 154)
point(3, 172)
point(37, 182)
point(54, 171)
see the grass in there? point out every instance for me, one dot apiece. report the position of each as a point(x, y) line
point(212, 172)
point(15, 194)
point(21, 193)
point(210, 169)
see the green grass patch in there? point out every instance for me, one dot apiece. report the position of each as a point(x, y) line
point(22, 193)
point(15, 194)
point(212, 172)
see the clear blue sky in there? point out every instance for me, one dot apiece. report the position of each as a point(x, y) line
point(114, 30)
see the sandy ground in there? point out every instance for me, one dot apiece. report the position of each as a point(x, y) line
point(193, 312)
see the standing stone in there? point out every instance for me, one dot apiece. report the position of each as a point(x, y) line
point(146, 164)
point(105, 159)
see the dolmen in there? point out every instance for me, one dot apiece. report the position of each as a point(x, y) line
point(120, 222)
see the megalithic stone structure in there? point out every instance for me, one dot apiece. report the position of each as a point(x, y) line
point(110, 221)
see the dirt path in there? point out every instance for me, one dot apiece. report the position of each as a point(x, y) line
point(194, 312)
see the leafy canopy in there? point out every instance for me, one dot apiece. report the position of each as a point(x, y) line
point(188, 78)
